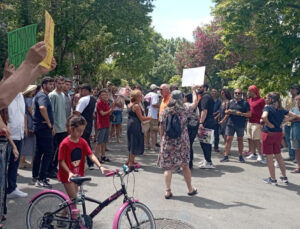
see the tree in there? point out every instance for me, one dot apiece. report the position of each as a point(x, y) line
point(202, 52)
point(264, 36)
point(92, 26)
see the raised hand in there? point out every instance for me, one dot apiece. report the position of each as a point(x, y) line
point(36, 54)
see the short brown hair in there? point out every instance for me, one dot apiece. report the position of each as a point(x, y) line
point(59, 78)
point(75, 121)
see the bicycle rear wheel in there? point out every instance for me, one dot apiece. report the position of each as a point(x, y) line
point(39, 214)
point(136, 216)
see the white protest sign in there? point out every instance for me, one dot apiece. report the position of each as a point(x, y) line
point(193, 76)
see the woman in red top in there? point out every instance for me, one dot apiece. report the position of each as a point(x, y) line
point(71, 155)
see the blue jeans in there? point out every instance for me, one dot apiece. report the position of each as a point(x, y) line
point(287, 134)
point(13, 168)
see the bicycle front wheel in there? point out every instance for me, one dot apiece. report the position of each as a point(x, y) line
point(40, 212)
point(136, 216)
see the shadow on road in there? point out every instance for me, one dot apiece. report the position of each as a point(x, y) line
point(201, 202)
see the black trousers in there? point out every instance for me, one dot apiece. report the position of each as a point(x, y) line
point(86, 136)
point(217, 136)
point(206, 148)
point(57, 139)
point(13, 166)
point(192, 135)
point(43, 154)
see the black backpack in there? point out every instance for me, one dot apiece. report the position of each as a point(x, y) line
point(172, 126)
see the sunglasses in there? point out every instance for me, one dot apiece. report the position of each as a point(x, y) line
point(237, 93)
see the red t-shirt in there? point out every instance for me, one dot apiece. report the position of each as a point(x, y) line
point(102, 120)
point(256, 107)
point(73, 153)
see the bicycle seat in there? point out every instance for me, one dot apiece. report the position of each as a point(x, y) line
point(79, 180)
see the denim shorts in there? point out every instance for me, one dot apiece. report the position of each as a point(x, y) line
point(295, 144)
point(103, 135)
point(230, 130)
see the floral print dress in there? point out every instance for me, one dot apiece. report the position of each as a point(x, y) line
point(175, 152)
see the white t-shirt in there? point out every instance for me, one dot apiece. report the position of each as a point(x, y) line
point(83, 103)
point(16, 113)
point(153, 111)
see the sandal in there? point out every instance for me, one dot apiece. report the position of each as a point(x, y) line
point(296, 171)
point(194, 192)
point(168, 196)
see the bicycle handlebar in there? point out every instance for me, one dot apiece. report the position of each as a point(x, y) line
point(126, 170)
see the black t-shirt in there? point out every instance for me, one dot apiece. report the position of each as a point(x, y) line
point(207, 103)
point(236, 120)
point(41, 99)
point(275, 117)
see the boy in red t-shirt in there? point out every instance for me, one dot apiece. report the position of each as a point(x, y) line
point(103, 112)
point(71, 155)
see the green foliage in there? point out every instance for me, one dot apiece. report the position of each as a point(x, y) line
point(264, 37)
point(87, 32)
point(175, 80)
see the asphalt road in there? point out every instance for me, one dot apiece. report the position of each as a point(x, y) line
point(232, 195)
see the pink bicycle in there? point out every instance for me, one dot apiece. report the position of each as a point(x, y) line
point(53, 209)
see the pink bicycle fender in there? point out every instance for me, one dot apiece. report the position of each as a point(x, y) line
point(115, 224)
point(52, 191)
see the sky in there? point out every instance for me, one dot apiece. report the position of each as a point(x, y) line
point(179, 18)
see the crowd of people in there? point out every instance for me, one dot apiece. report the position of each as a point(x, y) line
point(55, 124)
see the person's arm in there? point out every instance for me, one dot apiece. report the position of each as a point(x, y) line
point(245, 114)
point(265, 119)
point(136, 108)
point(195, 99)
point(27, 73)
point(4, 130)
point(95, 160)
point(292, 117)
point(44, 114)
point(202, 118)
point(14, 148)
point(224, 119)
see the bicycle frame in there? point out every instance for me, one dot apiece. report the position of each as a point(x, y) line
point(82, 198)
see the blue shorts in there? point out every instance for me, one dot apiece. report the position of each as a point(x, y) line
point(230, 130)
point(116, 117)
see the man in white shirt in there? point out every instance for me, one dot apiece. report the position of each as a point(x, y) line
point(153, 109)
point(86, 108)
point(16, 113)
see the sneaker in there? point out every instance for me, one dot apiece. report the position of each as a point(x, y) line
point(33, 181)
point(276, 164)
point(252, 156)
point(284, 180)
point(43, 184)
point(225, 159)
point(270, 181)
point(202, 162)
point(207, 165)
point(52, 175)
point(91, 167)
point(16, 194)
point(217, 150)
point(241, 159)
point(261, 159)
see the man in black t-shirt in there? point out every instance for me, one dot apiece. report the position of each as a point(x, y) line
point(206, 109)
point(237, 113)
point(43, 129)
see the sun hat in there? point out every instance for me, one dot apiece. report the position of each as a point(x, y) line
point(29, 89)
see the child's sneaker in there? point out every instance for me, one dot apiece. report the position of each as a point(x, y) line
point(284, 180)
point(270, 181)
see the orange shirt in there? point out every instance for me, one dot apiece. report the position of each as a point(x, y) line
point(164, 104)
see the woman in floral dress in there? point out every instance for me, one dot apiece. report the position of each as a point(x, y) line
point(175, 153)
